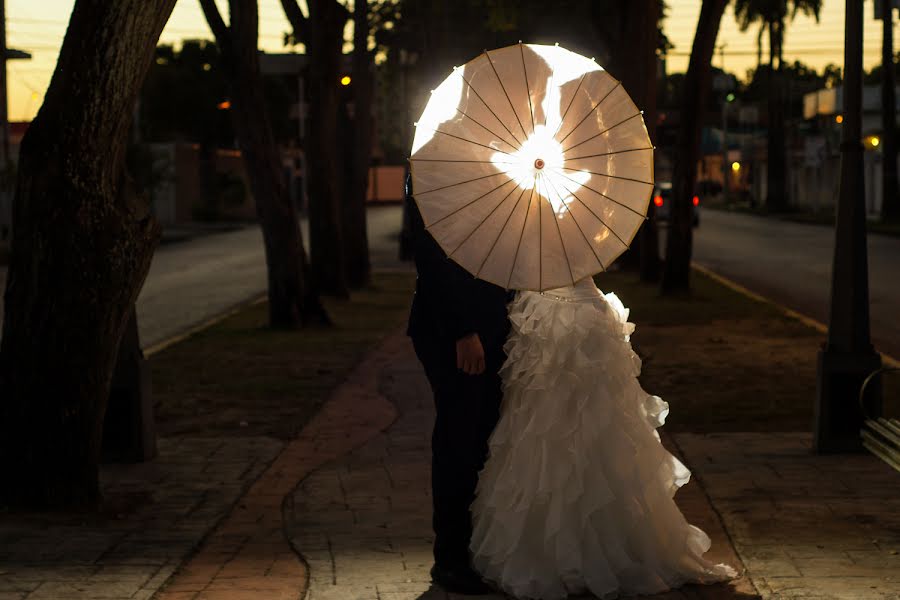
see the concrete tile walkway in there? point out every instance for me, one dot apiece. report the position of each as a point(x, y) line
point(363, 523)
point(806, 526)
point(156, 515)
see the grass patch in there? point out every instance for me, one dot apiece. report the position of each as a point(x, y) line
point(240, 378)
point(722, 361)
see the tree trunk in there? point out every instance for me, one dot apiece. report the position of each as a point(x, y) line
point(81, 248)
point(676, 274)
point(776, 172)
point(356, 241)
point(649, 32)
point(629, 34)
point(293, 301)
point(129, 431)
point(326, 37)
point(890, 202)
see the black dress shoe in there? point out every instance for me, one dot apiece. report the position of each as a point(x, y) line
point(460, 579)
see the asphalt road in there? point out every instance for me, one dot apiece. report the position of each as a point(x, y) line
point(191, 281)
point(791, 264)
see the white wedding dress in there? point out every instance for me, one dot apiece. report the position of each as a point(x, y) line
point(576, 495)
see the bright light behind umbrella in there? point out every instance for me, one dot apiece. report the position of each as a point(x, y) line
point(532, 167)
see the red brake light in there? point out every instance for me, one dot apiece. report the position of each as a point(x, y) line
point(658, 200)
point(696, 200)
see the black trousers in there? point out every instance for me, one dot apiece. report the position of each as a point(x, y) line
point(467, 409)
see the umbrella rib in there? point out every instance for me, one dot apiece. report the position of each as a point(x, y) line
point(580, 230)
point(558, 230)
point(571, 102)
point(483, 221)
point(540, 244)
point(607, 130)
point(595, 107)
point(611, 230)
point(461, 183)
point(609, 153)
point(455, 160)
point(512, 270)
point(527, 87)
point(470, 203)
point(488, 106)
point(500, 232)
point(608, 175)
point(472, 142)
point(604, 195)
point(486, 129)
point(505, 93)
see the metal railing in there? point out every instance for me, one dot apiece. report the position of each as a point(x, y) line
point(880, 435)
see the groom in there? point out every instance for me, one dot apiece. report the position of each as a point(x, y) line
point(458, 325)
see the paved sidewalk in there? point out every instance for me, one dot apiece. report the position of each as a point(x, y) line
point(806, 526)
point(156, 514)
point(363, 523)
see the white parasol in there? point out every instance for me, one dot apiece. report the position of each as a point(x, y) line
point(532, 167)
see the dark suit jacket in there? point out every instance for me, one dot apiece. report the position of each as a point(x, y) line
point(449, 302)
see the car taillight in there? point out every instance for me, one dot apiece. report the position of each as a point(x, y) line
point(696, 200)
point(658, 200)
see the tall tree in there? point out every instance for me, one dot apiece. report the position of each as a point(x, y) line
point(356, 241)
point(890, 201)
point(630, 39)
point(81, 248)
point(677, 270)
point(772, 16)
point(322, 32)
point(293, 299)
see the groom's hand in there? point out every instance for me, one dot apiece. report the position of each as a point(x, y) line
point(470, 354)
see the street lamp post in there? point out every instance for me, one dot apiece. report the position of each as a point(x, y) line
point(847, 356)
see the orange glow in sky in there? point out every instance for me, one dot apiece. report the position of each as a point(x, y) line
point(39, 29)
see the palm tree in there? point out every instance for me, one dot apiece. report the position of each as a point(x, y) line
point(771, 17)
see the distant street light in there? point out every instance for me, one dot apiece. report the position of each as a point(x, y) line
point(225, 105)
point(345, 80)
point(839, 119)
point(735, 166)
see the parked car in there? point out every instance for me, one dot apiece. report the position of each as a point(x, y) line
point(662, 200)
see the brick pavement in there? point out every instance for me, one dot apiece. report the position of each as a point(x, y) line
point(156, 514)
point(363, 523)
point(806, 526)
point(248, 556)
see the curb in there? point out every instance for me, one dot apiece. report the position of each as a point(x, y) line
point(887, 359)
point(180, 337)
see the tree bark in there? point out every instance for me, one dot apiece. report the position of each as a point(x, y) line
point(326, 38)
point(356, 241)
point(649, 41)
point(81, 248)
point(293, 301)
point(890, 202)
point(676, 274)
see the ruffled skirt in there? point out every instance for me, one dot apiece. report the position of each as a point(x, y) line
point(577, 493)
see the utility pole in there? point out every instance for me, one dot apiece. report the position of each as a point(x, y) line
point(848, 357)
point(4, 110)
point(890, 202)
point(724, 130)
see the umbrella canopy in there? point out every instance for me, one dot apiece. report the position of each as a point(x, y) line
point(532, 167)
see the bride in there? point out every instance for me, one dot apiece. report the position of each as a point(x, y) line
point(576, 495)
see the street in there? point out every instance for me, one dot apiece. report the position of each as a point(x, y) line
point(192, 281)
point(790, 263)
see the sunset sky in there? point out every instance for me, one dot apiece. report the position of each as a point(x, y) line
point(39, 29)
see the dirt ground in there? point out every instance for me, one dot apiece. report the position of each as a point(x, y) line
point(724, 362)
point(240, 378)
